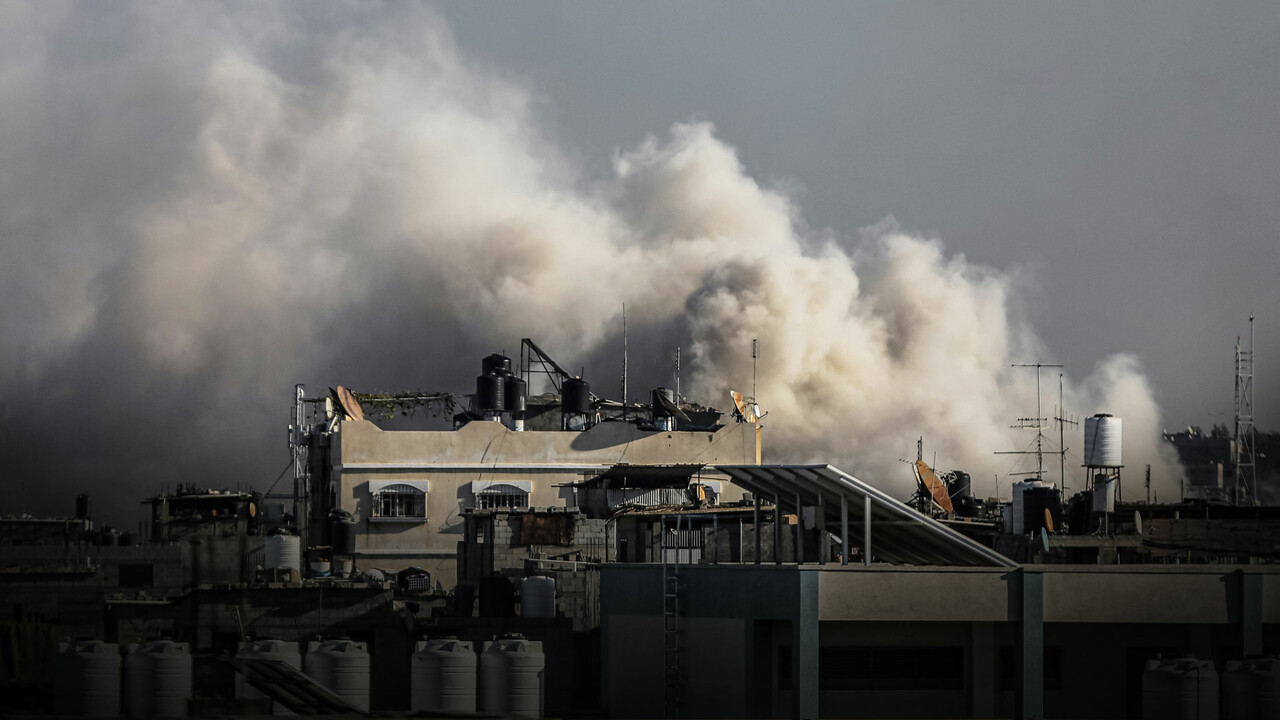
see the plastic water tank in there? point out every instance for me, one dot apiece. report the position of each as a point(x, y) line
point(1251, 689)
point(157, 678)
point(511, 681)
point(1019, 525)
point(538, 597)
point(278, 650)
point(443, 676)
point(284, 551)
point(87, 679)
point(343, 667)
point(1180, 689)
point(1102, 441)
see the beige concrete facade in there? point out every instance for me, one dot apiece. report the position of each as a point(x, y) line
point(449, 466)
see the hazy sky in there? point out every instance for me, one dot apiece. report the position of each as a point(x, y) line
point(202, 204)
point(1126, 156)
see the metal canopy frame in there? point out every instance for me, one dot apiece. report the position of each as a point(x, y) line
point(902, 535)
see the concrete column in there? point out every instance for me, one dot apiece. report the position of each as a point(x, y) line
point(1029, 649)
point(804, 649)
point(982, 670)
point(1251, 613)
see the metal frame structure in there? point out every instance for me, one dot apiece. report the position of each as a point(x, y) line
point(903, 536)
point(1246, 475)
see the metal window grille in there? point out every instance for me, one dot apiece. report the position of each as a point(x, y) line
point(400, 501)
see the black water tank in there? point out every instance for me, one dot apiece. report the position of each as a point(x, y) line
point(516, 390)
point(575, 397)
point(82, 507)
point(496, 364)
point(655, 400)
point(1035, 501)
point(960, 485)
point(343, 533)
point(497, 597)
point(489, 395)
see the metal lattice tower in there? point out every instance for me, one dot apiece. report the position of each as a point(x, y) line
point(1245, 490)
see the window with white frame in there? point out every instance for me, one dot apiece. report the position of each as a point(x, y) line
point(399, 501)
point(494, 495)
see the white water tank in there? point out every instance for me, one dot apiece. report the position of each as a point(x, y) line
point(278, 650)
point(1180, 689)
point(87, 679)
point(284, 551)
point(1018, 524)
point(538, 597)
point(343, 667)
point(511, 680)
point(1102, 440)
point(443, 676)
point(1251, 689)
point(157, 678)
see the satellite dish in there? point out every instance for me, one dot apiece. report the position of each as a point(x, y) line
point(1048, 520)
point(1137, 522)
point(672, 408)
point(350, 406)
point(253, 509)
point(929, 479)
point(744, 410)
point(1044, 539)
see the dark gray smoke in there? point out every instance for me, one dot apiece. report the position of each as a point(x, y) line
point(201, 208)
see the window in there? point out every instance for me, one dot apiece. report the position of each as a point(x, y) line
point(494, 494)
point(399, 501)
point(502, 496)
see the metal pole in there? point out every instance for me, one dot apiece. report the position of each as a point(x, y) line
point(844, 530)
point(866, 530)
point(799, 548)
point(756, 526)
point(777, 531)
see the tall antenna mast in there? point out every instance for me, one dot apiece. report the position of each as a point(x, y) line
point(1062, 438)
point(1037, 422)
point(677, 373)
point(624, 361)
point(754, 346)
point(1246, 469)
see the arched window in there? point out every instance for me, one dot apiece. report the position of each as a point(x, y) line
point(399, 501)
point(495, 494)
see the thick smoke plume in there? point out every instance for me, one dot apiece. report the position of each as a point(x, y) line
point(200, 209)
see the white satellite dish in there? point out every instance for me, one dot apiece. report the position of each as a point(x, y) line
point(1137, 522)
point(1044, 539)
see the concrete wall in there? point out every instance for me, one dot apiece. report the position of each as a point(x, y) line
point(1099, 626)
point(449, 461)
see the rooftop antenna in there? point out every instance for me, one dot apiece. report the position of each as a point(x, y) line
point(1038, 422)
point(755, 344)
point(1062, 439)
point(624, 361)
point(677, 373)
point(1246, 469)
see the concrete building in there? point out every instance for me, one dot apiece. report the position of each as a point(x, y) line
point(410, 490)
point(929, 624)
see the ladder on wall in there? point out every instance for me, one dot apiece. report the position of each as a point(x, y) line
point(671, 587)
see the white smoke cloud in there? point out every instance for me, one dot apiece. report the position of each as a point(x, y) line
point(329, 195)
